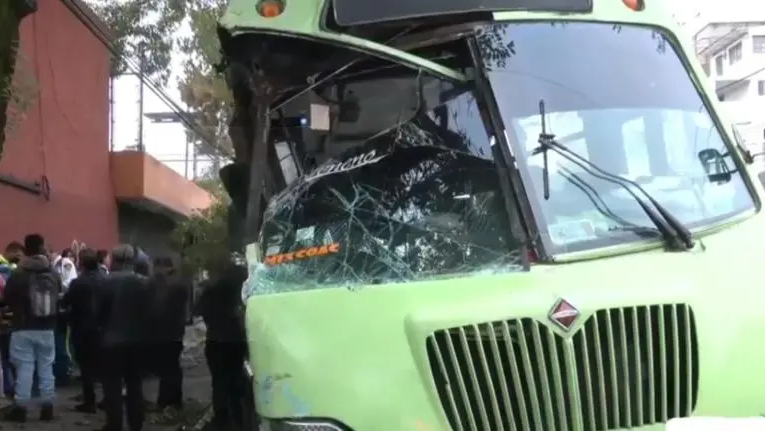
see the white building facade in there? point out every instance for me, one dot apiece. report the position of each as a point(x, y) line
point(733, 56)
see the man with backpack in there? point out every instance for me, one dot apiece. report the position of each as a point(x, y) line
point(32, 294)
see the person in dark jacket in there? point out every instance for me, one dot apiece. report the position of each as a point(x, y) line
point(83, 299)
point(220, 305)
point(32, 294)
point(170, 292)
point(123, 319)
point(14, 252)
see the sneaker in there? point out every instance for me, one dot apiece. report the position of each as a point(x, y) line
point(5, 402)
point(46, 412)
point(15, 413)
point(86, 408)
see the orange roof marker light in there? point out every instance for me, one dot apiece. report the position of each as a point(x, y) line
point(270, 8)
point(636, 5)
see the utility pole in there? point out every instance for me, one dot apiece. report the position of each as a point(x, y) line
point(186, 158)
point(142, 60)
point(194, 162)
point(111, 113)
point(216, 163)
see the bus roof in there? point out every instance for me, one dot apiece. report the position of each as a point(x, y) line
point(354, 12)
point(309, 19)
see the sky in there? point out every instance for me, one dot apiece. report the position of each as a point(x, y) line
point(167, 142)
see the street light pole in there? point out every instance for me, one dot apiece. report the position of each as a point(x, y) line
point(142, 60)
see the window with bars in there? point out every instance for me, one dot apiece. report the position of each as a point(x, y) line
point(761, 88)
point(758, 44)
point(735, 53)
point(719, 66)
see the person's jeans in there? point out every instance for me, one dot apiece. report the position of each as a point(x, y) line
point(30, 349)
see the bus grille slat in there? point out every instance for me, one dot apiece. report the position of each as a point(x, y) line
point(623, 368)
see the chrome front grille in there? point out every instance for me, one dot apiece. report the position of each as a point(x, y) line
point(625, 367)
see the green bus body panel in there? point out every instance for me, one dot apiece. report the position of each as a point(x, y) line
point(304, 18)
point(359, 356)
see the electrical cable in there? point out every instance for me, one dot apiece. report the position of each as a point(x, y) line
point(153, 86)
point(740, 80)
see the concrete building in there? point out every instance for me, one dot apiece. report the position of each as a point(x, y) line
point(733, 56)
point(57, 175)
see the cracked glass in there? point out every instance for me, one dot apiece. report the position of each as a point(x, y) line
point(409, 192)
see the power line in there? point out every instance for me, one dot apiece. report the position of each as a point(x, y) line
point(153, 86)
point(740, 80)
point(174, 107)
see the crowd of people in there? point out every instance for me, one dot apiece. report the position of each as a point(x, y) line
point(124, 315)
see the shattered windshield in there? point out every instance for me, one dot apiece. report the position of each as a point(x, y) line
point(412, 194)
point(620, 97)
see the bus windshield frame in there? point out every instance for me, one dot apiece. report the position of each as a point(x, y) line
point(336, 225)
point(651, 106)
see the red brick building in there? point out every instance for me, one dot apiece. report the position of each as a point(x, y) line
point(57, 176)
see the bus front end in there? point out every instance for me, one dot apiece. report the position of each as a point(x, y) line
point(495, 216)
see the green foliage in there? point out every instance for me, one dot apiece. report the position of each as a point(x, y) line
point(19, 92)
point(9, 39)
point(149, 28)
point(142, 29)
point(18, 85)
point(202, 239)
point(203, 89)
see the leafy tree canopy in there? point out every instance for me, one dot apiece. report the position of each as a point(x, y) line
point(18, 87)
point(142, 29)
point(202, 239)
point(203, 89)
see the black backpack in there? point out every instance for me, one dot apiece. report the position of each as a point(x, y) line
point(43, 294)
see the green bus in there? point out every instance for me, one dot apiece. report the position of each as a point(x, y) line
point(488, 215)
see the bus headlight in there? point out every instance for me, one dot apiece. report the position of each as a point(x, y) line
point(300, 425)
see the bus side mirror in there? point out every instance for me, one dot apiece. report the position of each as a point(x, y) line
point(714, 165)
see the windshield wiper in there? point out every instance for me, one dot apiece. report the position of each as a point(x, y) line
point(677, 236)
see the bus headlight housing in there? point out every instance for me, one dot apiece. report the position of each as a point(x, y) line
point(301, 425)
